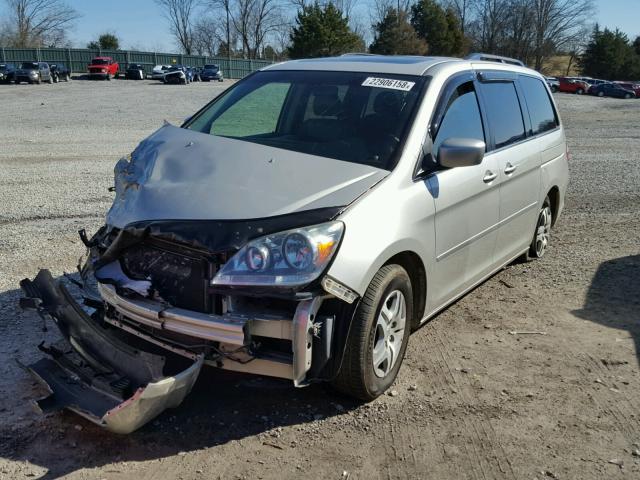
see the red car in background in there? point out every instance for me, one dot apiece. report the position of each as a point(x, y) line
point(635, 87)
point(103, 67)
point(572, 85)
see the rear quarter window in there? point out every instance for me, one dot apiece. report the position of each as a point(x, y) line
point(541, 111)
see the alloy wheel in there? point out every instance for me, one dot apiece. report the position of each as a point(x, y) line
point(389, 333)
point(543, 231)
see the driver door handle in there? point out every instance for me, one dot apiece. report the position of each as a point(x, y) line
point(489, 176)
point(509, 168)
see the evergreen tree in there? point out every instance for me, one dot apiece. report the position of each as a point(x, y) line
point(322, 31)
point(394, 35)
point(106, 41)
point(610, 55)
point(438, 27)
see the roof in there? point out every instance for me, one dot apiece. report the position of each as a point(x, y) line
point(398, 64)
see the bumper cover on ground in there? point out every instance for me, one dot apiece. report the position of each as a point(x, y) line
point(94, 373)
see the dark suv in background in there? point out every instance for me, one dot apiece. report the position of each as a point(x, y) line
point(59, 71)
point(7, 72)
point(211, 72)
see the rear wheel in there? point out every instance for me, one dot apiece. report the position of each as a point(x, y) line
point(542, 232)
point(601, 93)
point(67, 77)
point(50, 80)
point(378, 337)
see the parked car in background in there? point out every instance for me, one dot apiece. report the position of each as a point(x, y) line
point(553, 83)
point(194, 73)
point(178, 74)
point(103, 67)
point(301, 226)
point(135, 71)
point(33, 72)
point(633, 86)
point(210, 73)
point(60, 71)
point(7, 72)
point(612, 90)
point(158, 72)
point(573, 85)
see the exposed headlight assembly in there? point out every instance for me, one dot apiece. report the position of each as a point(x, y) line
point(285, 259)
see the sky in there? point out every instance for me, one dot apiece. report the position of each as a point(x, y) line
point(140, 25)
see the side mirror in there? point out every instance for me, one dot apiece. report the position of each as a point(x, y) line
point(461, 152)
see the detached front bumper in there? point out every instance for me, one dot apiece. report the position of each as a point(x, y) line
point(94, 373)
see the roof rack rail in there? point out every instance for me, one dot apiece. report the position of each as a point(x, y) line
point(359, 53)
point(488, 57)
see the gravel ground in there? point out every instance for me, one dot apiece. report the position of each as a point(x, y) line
point(472, 399)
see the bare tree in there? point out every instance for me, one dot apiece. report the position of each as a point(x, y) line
point(557, 23)
point(254, 20)
point(225, 6)
point(208, 34)
point(39, 22)
point(463, 10)
point(180, 15)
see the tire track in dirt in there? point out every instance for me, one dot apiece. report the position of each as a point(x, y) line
point(471, 462)
point(618, 405)
point(492, 454)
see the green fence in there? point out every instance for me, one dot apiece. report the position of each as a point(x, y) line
point(79, 58)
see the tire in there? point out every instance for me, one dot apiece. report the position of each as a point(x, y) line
point(540, 240)
point(601, 93)
point(67, 77)
point(108, 77)
point(579, 91)
point(362, 375)
point(627, 96)
point(50, 80)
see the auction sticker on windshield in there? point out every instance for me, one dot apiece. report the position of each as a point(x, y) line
point(388, 83)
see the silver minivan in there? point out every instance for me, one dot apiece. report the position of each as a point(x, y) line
point(302, 225)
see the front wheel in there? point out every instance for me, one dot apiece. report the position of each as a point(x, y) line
point(542, 232)
point(378, 336)
point(627, 96)
point(601, 94)
point(579, 91)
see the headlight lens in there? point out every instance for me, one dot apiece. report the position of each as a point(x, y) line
point(287, 259)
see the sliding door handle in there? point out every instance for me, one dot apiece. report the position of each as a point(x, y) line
point(489, 176)
point(509, 168)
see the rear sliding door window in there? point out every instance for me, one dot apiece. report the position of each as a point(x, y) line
point(543, 116)
point(503, 110)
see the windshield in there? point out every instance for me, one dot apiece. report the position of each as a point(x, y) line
point(356, 117)
point(29, 66)
point(210, 67)
point(99, 61)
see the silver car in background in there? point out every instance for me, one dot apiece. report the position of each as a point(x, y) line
point(302, 225)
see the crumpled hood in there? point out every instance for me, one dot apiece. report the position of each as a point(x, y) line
point(180, 174)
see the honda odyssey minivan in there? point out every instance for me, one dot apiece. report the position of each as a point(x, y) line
point(302, 225)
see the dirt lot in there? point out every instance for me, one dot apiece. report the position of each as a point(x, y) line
point(472, 400)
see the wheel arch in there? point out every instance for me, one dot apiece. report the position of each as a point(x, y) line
point(414, 267)
point(554, 198)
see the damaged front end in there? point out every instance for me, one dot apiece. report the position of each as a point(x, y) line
point(160, 298)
